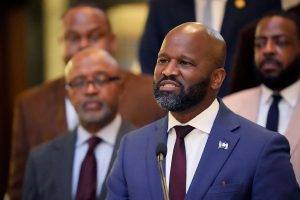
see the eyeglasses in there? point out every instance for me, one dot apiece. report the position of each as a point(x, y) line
point(81, 83)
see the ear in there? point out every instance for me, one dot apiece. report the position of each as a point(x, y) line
point(217, 78)
point(68, 90)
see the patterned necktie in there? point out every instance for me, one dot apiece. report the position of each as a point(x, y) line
point(177, 183)
point(273, 114)
point(87, 184)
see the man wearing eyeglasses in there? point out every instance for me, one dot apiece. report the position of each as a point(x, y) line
point(75, 166)
point(45, 112)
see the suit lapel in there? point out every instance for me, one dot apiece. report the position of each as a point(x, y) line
point(159, 135)
point(215, 153)
point(125, 128)
point(63, 161)
point(292, 130)
point(253, 100)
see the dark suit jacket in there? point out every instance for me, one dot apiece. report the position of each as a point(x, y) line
point(255, 166)
point(49, 168)
point(40, 116)
point(166, 14)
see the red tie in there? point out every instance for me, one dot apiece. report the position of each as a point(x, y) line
point(177, 183)
point(87, 184)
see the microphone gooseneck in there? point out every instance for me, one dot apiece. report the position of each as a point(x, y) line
point(161, 152)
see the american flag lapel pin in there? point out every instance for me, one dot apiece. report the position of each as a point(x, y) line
point(223, 145)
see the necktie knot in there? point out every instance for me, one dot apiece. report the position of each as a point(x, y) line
point(182, 131)
point(276, 98)
point(93, 142)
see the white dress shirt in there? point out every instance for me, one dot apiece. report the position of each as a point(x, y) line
point(217, 12)
point(103, 152)
point(194, 142)
point(286, 4)
point(286, 105)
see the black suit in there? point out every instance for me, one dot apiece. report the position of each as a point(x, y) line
point(166, 14)
point(49, 167)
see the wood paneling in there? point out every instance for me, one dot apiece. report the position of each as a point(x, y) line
point(12, 78)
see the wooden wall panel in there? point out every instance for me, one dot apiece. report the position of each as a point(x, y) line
point(12, 79)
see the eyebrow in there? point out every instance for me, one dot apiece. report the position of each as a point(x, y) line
point(94, 74)
point(94, 29)
point(162, 55)
point(272, 35)
point(186, 57)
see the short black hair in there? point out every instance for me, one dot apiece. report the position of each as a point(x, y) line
point(84, 3)
point(292, 16)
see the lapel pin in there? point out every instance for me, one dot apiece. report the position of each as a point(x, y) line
point(223, 145)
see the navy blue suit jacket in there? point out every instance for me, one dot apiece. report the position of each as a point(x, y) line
point(255, 166)
point(166, 14)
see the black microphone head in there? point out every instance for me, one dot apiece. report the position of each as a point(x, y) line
point(161, 148)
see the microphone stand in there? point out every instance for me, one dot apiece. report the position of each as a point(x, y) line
point(160, 158)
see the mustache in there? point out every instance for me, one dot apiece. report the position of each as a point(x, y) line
point(88, 100)
point(272, 60)
point(168, 78)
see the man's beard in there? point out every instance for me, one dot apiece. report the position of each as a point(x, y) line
point(171, 101)
point(101, 116)
point(286, 77)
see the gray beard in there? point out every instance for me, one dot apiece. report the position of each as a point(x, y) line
point(184, 100)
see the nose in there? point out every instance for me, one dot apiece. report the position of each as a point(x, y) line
point(84, 42)
point(269, 48)
point(91, 88)
point(171, 69)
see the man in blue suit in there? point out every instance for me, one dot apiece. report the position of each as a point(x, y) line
point(212, 153)
point(166, 14)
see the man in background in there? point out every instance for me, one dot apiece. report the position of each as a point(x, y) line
point(45, 112)
point(275, 104)
point(75, 165)
point(243, 73)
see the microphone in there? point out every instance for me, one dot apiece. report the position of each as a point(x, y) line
point(161, 152)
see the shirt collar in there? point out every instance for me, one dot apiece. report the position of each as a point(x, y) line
point(203, 121)
point(290, 94)
point(108, 134)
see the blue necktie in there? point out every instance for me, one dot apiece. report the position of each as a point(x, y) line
point(273, 114)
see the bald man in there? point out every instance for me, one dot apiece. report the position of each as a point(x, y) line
point(45, 112)
point(211, 153)
point(61, 169)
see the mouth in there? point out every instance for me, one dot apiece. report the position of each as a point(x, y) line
point(270, 67)
point(271, 63)
point(92, 105)
point(168, 85)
